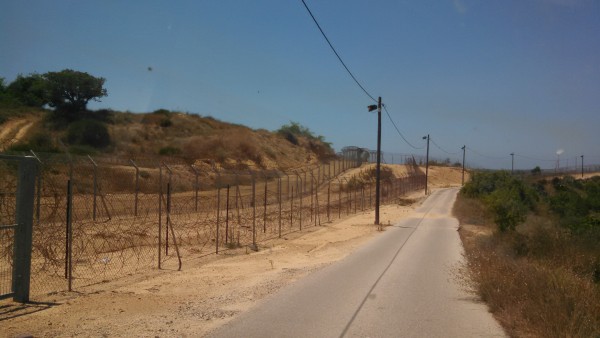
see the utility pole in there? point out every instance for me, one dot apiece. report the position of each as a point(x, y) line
point(464, 147)
point(581, 166)
point(378, 175)
point(426, 164)
point(378, 168)
point(512, 167)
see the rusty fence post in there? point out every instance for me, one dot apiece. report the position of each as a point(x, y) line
point(137, 187)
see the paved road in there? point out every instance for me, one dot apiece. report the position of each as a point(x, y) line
point(398, 285)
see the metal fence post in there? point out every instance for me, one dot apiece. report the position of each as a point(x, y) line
point(227, 216)
point(196, 186)
point(254, 246)
point(279, 200)
point(137, 188)
point(312, 179)
point(159, 214)
point(292, 209)
point(339, 198)
point(265, 205)
point(301, 197)
point(218, 186)
point(168, 224)
point(95, 187)
point(24, 229)
point(69, 235)
point(328, 199)
point(38, 202)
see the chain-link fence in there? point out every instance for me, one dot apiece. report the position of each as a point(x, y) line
point(8, 189)
point(97, 219)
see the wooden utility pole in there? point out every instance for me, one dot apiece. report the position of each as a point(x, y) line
point(378, 172)
point(464, 147)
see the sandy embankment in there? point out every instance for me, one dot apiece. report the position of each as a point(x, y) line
point(194, 301)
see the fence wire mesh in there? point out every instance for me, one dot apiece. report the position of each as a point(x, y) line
point(98, 219)
point(8, 189)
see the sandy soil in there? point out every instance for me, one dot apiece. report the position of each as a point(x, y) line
point(15, 130)
point(192, 302)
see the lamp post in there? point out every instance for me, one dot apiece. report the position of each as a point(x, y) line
point(378, 168)
point(464, 147)
point(512, 166)
point(426, 163)
point(581, 166)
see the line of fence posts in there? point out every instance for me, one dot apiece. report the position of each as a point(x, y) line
point(301, 185)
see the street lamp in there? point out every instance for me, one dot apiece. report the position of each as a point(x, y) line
point(581, 166)
point(463, 164)
point(512, 167)
point(378, 168)
point(426, 163)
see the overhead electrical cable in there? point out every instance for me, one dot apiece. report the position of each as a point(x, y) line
point(487, 156)
point(352, 75)
point(535, 159)
point(336, 53)
point(442, 149)
point(399, 133)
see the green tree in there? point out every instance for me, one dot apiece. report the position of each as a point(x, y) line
point(28, 90)
point(69, 92)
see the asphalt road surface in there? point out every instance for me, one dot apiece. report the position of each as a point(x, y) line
point(400, 284)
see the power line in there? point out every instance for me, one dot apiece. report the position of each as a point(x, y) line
point(336, 53)
point(440, 148)
point(535, 159)
point(399, 133)
point(487, 156)
point(352, 75)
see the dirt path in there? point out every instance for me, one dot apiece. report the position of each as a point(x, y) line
point(14, 130)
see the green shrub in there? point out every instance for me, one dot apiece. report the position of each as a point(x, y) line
point(165, 122)
point(169, 151)
point(88, 132)
point(290, 137)
point(164, 112)
point(291, 132)
point(507, 197)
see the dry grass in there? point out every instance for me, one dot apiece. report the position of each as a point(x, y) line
point(531, 279)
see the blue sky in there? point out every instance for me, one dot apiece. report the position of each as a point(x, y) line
point(517, 76)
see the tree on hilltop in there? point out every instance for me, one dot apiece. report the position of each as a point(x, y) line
point(28, 90)
point(69, 92)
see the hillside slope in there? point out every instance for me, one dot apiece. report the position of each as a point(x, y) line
point(173, 134)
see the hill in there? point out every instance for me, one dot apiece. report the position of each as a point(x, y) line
point(165, 133)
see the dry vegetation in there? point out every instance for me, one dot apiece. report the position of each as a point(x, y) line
point(539, 279)
point(171, 134)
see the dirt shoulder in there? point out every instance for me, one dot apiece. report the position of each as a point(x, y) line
point(205, 295)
